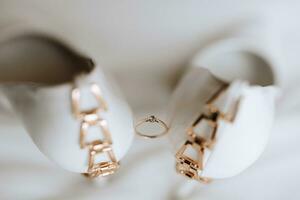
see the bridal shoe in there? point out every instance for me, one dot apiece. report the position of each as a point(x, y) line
point(71, 108)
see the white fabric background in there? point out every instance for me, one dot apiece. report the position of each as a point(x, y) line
point(146, 44)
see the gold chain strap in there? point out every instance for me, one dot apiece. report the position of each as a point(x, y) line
point(90, 118)
point(188, 166)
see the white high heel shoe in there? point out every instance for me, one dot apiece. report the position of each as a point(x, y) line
point(72, 111)
point(221, 113)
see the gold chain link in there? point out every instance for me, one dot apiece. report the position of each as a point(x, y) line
point(92, 118)
point(188, 166)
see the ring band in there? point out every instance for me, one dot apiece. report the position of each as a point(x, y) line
point(151, 119)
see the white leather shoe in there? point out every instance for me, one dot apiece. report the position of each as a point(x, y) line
point(88, 132)
point(222, 111)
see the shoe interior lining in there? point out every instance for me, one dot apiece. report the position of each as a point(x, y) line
point(242, 65)
point(41, 60)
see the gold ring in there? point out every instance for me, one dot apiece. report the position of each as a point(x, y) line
point(151, 119)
